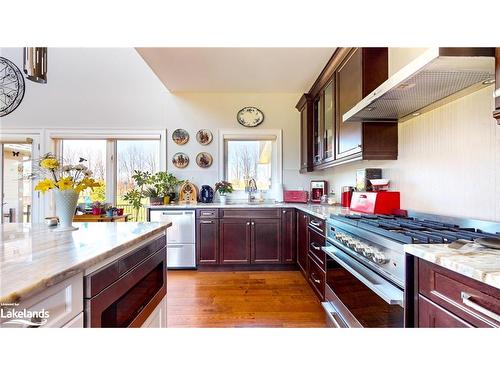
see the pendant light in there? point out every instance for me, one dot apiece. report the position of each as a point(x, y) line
point(35, 64)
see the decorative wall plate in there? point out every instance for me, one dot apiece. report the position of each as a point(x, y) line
point(250, 117)
point(204, 160)
point(204, 137)
point(11, 86)
point(180, 160)
point(180, 136)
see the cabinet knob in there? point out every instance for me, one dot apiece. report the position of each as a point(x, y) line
point(248, 223)
point(284, 211)
point(253, 223)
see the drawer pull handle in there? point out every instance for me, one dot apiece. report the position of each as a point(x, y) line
point(207, 221)
point(207, 213)
point(315, 223)
point(315, 246)
point(317, 281)
point(466, 299)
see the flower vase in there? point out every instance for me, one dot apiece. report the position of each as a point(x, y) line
point(223, 199)
point(66, 201)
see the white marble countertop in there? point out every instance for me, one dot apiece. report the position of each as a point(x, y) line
point(471, 260)
point(33, 257)
point(322, 211)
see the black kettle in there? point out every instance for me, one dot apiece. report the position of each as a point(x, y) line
point(206, 194)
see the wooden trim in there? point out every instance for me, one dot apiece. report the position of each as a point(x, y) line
point(245, 267)
point(329, 70)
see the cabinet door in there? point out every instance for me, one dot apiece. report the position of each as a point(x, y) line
point(288, 235)
point(431, 315)
point(306, 137)
point(329, 122)
point(266, 241)
point(207, 241)
point(349, 92)
point(302, 240)
point(317, 130)
point(234, 235)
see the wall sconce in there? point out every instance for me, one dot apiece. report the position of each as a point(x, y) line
point(35, 64)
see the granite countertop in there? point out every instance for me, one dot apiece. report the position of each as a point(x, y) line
point(322, 211)
point(33, 257)
point(471, 260)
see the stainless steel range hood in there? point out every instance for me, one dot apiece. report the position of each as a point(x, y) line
point(436, 77)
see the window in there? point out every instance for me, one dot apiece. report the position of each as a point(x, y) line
point(113, 162)
point(249, 159)
point(251, 155)
point(94, 154)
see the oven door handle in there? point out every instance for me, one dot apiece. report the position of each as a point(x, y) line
point(383, 288)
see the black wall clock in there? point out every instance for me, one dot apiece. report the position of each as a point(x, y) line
point(11, 86)
point(250, 117)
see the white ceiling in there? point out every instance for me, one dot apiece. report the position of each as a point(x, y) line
point(237, 69)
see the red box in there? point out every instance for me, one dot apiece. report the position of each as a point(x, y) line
point(295, 196)
point(375, 202)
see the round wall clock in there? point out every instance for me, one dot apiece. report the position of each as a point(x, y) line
point(11, 86)
point(250, 117)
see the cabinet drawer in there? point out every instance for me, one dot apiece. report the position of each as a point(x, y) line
point(470, 300)
point(316, 242)
point(63, 302)
point(317, 278)
point(317, 224)
point(431, 315)
point(254, 213)
point(207, 214)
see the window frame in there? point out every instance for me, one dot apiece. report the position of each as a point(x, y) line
point(253, 134)
point(56, 136)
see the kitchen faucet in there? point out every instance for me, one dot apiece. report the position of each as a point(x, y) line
point(251, 188)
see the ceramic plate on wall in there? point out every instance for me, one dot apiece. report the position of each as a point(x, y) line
point(180, 136)
point(204, 160)
point(180, 160)
point(204, 137)
point(250, 117)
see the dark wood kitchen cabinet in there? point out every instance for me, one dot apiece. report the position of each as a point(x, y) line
point(302, 241)
point(289, 235)
point(266, 241)
point(496, 113)
point(304, 106)
point(349, 76)
point(235, 241)
point(207, 241)
point(444, 298)
point(363, 70)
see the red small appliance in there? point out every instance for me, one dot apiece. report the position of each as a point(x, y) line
point(318, 189)
point(345, 198)
point(379, 202)
point(295, 196)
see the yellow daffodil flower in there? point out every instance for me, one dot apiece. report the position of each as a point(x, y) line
point(65, 183)
point(86, 183)
point(45, 185)
point(49, 163)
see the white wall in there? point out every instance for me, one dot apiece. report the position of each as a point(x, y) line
point(113, 88)
point(449, 161)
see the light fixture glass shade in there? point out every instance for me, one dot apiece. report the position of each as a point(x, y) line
point(35, 64)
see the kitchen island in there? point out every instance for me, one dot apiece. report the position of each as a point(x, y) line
point(453, 287)
point(40, 267)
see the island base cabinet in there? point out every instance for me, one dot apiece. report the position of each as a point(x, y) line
point(158, 318)
point(265, 239)
point(207, 241)
point(431, 315)
point(235, 237)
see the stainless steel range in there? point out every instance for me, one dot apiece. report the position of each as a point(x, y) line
point(365, 278)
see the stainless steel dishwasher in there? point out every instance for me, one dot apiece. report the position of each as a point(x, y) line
point(181, 243)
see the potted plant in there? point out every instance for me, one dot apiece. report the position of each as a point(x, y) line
point(154, 195)
point(97, 208)
point(136, 195)
point(66, 182)
point(224, 188)
point(165, 184)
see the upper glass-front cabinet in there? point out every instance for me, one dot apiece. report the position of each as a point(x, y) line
point(329, 121)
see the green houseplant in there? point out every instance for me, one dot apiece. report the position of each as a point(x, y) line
point(136, 195)
point(224, 188)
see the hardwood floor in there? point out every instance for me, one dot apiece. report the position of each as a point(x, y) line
point(241, 299)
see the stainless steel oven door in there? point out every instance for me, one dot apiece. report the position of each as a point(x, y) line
point(359, 296)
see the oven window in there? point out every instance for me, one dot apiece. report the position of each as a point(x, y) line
point(124, 310)
point(367, 307)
